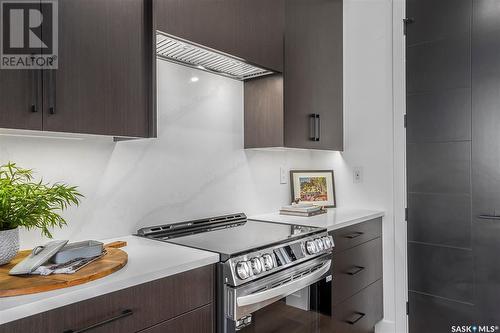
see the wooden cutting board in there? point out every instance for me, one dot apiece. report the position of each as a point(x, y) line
point(112, 261)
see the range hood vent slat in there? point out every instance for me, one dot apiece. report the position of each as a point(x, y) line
point(186, 53)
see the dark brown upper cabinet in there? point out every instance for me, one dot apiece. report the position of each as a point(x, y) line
point(248, 29)
point(104, 83)
point(20, 99)
point(304, 107)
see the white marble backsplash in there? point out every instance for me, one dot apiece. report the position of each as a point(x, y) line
point(196, 167)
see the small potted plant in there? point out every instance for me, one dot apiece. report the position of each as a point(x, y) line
point(29, 204)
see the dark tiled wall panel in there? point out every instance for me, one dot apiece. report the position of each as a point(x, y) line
point(436, 315)
point(437, 20)
point(441, 271)
point(487, 269)
point(440, 65)
point(439, 116)
point(431, 216)
point(486, 13)
point(439, 167)
point(486, 157)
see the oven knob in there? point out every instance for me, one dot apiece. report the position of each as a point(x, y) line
point(268, 262)
point(319, 243)
point(328, 242)
point(256, 266)
point(243, 270)
point(311, 247)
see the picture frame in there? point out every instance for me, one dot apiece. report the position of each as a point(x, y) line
point(313, 186)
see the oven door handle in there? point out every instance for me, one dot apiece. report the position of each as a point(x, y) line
point(286, 288)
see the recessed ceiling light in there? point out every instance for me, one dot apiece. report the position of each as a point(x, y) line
point(195, 79)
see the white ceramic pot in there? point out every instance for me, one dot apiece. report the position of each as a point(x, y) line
point(9, 245)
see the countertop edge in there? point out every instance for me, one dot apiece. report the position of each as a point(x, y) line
point(334, 219)
point(356, 221)
point(102, 286)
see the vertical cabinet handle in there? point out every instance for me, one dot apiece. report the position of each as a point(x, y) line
point(317, 123)
point(314, 125)
point(52, 92)
point(34, 105)
point(123, 314)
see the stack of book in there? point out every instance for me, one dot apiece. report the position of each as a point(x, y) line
point(302, 210)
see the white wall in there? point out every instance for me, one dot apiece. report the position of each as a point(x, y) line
point(197, 166)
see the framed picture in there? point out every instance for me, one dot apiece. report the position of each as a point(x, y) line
point(316, 187)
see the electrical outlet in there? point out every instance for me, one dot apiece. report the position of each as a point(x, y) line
point(357, 175)
point(283, 176)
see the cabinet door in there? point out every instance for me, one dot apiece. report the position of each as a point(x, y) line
point(103, 82)
point(313, 73)
point(249, 29)
point(197, 321)
point(20, 99)
point(360, 313)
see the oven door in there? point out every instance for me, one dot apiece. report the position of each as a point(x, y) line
point(297, 299)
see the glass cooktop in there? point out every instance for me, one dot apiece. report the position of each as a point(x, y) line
point(240, 238)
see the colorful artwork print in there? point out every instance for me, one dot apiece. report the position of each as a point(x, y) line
point(313, 189)
point(313, 186)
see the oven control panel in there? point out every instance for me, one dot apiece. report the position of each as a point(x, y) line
point(251, 266)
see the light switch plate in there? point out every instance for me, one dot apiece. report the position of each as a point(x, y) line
point(357, 175)
point(283, 176)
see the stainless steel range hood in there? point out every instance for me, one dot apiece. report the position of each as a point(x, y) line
point(180, 51)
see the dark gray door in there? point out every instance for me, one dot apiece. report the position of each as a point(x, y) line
point(486, 157)
point(441, 266)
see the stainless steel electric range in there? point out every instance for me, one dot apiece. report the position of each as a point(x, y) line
point(272, 277)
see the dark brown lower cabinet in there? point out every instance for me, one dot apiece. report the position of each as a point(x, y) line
point(172, 302)
point(196, 321)
point(361, 312)
point(357, 291)
point(356, 268)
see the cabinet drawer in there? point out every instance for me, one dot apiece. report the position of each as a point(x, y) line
point(355, 269)
point(348, 237)
point(128, 310)
point(196, 321)
point(360, 313)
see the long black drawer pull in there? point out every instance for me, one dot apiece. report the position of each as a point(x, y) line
point(355, 270)
point(354, 235)
point(354, 318)
point(125, 313)
point(489, 217)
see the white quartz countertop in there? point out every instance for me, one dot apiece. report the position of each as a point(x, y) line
point(335, 218)
point(147, 260)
